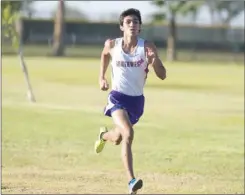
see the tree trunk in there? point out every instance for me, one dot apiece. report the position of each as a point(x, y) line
point(194, 56)
point(59, 30)
point(171, 42)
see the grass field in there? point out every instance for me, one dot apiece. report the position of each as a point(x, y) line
point(190, 139)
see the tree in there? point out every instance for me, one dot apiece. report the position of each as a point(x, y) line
point(59, 30)
point(12, 29)
point(28, 10)
point(226, 10)
point(72, 13)
point(13, 6)
point(169, 10)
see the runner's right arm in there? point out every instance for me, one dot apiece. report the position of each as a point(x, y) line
point(104, 63)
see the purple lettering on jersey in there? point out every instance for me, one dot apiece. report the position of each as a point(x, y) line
point(140, 62)
point(137, 63)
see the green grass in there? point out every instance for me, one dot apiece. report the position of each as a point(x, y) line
point(190, 139)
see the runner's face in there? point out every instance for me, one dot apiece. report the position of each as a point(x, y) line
point(131, 25)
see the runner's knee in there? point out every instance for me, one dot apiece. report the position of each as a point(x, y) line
point(128, 134)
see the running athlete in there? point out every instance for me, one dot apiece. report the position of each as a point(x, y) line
point(130, 57)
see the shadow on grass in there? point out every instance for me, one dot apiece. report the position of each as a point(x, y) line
point(4, 187)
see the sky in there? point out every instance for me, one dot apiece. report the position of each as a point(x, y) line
point(96, 9)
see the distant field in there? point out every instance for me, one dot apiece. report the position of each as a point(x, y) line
point(94, 51)
point(190, 139)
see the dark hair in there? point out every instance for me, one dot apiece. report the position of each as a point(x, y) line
point(129, 12)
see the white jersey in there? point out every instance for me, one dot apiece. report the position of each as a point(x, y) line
point(129, 70)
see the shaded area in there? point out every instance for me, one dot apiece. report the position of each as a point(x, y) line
point(4, 187)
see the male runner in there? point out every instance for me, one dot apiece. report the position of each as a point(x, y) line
point(130, 57)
